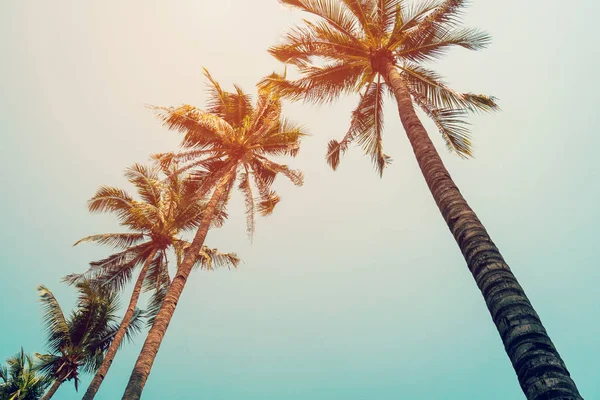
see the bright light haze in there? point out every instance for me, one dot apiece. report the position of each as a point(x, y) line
point(354, 289)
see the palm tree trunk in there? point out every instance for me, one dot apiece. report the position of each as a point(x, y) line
point(118, 339)
point(541, 372)
point(143, 365)
point(53, 389)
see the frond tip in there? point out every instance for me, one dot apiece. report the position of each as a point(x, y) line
point(333, 154)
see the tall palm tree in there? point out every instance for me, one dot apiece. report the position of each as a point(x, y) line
point(167, 208)
point(20, 380)
point(231, 141)
point(80, 341)
point(373, 46)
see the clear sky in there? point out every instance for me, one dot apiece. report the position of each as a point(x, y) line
point(354, 289)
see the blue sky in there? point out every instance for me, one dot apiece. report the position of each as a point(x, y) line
point(354, 289)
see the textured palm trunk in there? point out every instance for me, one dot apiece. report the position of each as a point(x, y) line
point(53, 389)
point(120, 335)
point(541, 372)
point(143, 365)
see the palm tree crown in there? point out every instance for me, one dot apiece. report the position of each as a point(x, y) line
point(353, 39)
point(233, 135)
point(79, 341)
point(167, 208)
point(21, 380)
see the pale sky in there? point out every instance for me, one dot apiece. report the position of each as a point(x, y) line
point(354, 289)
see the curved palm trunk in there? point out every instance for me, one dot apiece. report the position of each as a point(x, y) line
point(120, 335)
point(143, 365)
point(53, 389)
point(541, 372)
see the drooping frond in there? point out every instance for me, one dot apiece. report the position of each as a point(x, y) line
point(155, 276)
point(135, 327)
point(263, 175)
point(154, 304)
point(431, 86)
point(451, 124)
point(212, 258)
point(267, 203)
point(368, 125)
point(246, 188)
point(55, 323)
point(362, 11)
point(117, 240)
point(114, 271)
point(296, 177)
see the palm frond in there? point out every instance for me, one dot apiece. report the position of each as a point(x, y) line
point(322, 84)
point(368, 125)
point(408, 17)
point(332, 11)
point(296, 177)
point(212, 258)
point(438, 44)
point(111, 199)
point(117, 240)
point(155, 303)
point(146, 182)
point(156, 272)
point(201, 129)
point(56, 325)
point(246, 188)
point(451, 124)
point(431, 86)
point(267, 203)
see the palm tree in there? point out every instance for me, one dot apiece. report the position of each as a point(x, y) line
point(230, 141)
point(373, 46)
point(167, 208)
point(20, 379)
point(80, 341)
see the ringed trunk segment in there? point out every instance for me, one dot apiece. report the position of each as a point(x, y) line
point(53, 389)
point(143, 365)
point(541, 372)
point(94, 386)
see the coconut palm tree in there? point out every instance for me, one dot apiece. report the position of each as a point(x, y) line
point(376, 46)
point(231, 141)
point(79, 342)
point(20, 380)
point(167, 208)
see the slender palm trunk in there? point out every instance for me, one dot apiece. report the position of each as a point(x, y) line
point(143, 365)
point(541, 372)
point(53, 389)
point(120, 335)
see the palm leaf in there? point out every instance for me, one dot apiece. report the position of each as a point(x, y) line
point(431, 86)
point(54, 321)
point(117, 240)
